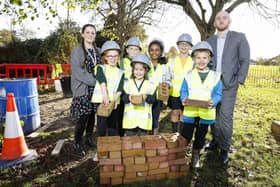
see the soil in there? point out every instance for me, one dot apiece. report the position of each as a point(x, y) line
point(67, 168)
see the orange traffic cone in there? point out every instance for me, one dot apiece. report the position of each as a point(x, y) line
point(14, 145)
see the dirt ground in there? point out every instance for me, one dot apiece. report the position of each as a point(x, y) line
point(66, 169)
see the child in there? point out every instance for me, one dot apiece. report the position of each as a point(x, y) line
point(159, 73)
point(200, 84)
point(137, 118)
point(178, 67)
point(132, 48)
point(108, 87)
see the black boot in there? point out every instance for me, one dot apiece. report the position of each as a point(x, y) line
point(224, 157)
point(80, 149)
point(90, 142)
point(212, 145)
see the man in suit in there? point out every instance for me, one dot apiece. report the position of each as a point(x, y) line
point(231, 59)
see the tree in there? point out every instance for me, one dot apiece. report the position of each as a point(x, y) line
point(125, 18)
point(198, 11)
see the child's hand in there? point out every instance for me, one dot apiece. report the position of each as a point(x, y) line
point(144, 97)
point(105, 99)
point(210, 103)
point(115, 105)
point(184, 102)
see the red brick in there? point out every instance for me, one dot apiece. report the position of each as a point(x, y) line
point(163, 164)
point(104, 180)
point(181, 155)
point(178, 161)
point(115, 154)
point(174, 175)
point(162, 152)
point(155, 144)
point(107, 168)
point(151, 152)
point(129, 141)
point(184, 168)
point(130, 175)
point(128, 161)
point(140, 160)
point(116, 180)
point(171, 156)
point(156, 159)
point(133, 152)
point(108, 138)
point(116, 161)
point(108, 146)
point(182, 141)
point(126, 181)
point(174, 168)
point(160, 176)
point(141, 173)
point(112, 174)
point(101, 155)
point(108, 143)
point(118, 168)
point(176, 150)
point(137, 145)
point(154, 165)
point(158, 171)
point(135, 168)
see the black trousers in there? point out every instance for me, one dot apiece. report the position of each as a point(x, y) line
point(201, 130)
point(155, 113)
point(108, 123)
point(85, 122)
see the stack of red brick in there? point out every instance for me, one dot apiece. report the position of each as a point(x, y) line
point(139, 158)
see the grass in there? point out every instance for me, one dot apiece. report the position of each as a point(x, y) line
point(263, 76)
point(254, 159)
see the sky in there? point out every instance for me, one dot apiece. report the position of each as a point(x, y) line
point(263, 37)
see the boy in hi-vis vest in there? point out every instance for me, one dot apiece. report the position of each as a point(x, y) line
point(138, 97)
point(132, 48)
point(108, 89)
point(200, 84)
point(178, 67)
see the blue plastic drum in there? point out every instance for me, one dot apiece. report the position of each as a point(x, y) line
point(26, 97)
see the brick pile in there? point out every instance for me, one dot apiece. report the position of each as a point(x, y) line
point(129, 159)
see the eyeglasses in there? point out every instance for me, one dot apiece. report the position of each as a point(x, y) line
point(111, 57)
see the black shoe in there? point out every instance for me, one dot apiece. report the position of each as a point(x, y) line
point(212, 145)
point(224, 157)
point(90, 143)
point(80, 149)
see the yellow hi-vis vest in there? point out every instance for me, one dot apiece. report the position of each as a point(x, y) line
point(177, 73)
point(113, 77)
point(138, 115)
point(161, 74)
point(125, 64)
point(201, 91)
point(57, 70)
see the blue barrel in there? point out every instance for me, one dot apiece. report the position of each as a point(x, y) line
point(26, 97)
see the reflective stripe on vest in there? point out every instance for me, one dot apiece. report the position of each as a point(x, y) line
point(113, 77)
point(138, 115)
point(201, 91)
point(177, 74)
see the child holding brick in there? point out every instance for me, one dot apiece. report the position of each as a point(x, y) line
point(132, 48)
point(178, 67)
point(159, 75)
point(108, 89)
point(138, 97)
point(200, 84)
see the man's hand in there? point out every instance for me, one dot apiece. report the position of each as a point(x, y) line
point(210, 103)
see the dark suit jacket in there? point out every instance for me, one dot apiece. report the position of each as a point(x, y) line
point(235, 58)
